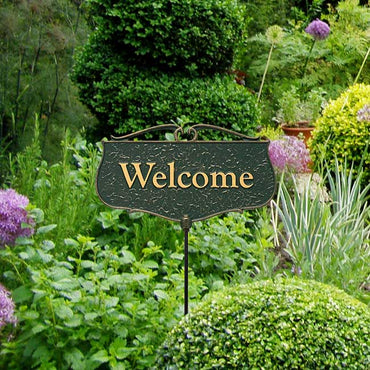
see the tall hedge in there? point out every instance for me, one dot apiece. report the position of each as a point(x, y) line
point(148, 63)
point(282, 324)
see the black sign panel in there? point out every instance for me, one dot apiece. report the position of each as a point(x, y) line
point(193, 179)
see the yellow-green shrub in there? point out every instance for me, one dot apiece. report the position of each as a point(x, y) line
point(341, 133)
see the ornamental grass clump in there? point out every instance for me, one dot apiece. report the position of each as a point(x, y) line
point(14, 219)
point(281, 324)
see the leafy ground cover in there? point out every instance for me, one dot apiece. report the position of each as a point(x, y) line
point(103, 288)
point(83, 286)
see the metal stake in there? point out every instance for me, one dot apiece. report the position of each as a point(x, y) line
point(186, 225)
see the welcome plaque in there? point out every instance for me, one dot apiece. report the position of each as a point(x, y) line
point(192, 179)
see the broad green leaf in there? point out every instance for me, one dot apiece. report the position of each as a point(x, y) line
point(21, 294)
point(71, 242)
point(150, 264)
point(73, 296)
point(30, 315)
point(128, 257)
point(74, 321)
point(38, 328)
point(111, 302)
point(88, 264)
point(177, 256)
point(100, 356)
point(64, 312)
point(119, 349)
point(46, 229)
point(74, 357)
point(47, 245)
point(65, 284)
point(160, 294)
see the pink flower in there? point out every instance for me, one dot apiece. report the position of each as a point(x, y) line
point(14, 220)
point(290, 154)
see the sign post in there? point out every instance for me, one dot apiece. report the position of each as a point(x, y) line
point(185, 180)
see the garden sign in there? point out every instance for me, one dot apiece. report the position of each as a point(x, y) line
point(185, 180)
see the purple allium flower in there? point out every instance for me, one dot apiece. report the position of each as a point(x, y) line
point(289, 153)
point(319, 30)
point(6, 308)
point(14, 220)
point(364, 113)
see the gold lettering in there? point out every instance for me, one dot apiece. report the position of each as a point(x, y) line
point(179, 180)
point(172, 175)
point(138, 174)
point(205, 180)
point(246, 176)
point(159, 176)
point(223, 176)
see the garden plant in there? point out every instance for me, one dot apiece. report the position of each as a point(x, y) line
point(83, 286)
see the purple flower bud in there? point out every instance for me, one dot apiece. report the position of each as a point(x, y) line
point(319, 30)
point(6, 308)
point(14, 220)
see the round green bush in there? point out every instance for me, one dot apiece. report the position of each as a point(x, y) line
point(126, 98)
point(192, 35)
point(287, 323)
point(343, 132)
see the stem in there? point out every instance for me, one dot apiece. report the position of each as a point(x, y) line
point(362, 66)
point(308, 57)
point(357, 77)
point(51, 107)
point(265, 72)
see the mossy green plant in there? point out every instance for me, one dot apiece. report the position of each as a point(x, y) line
point(286, 323)
point(342, 133)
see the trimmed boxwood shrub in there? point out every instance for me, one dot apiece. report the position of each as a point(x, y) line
point(129, 98)
point(343, 131)
point(152, 62)
point(191, 35)
point(287, 323)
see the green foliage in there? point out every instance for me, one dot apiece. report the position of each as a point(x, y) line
point(333, 63)
point(128, 99)
point(328, 242)
point(95, 305)
point(37, 43)
point(293, 108)
point(233, 247)
point(153, 63)
point(340, 133)
point(290, 324)
point(190, 35)
point(65, 191)
point(266, 13)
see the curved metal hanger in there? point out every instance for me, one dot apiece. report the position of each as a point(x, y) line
point(178, 130)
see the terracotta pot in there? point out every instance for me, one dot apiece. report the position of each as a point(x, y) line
point(303, 128)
